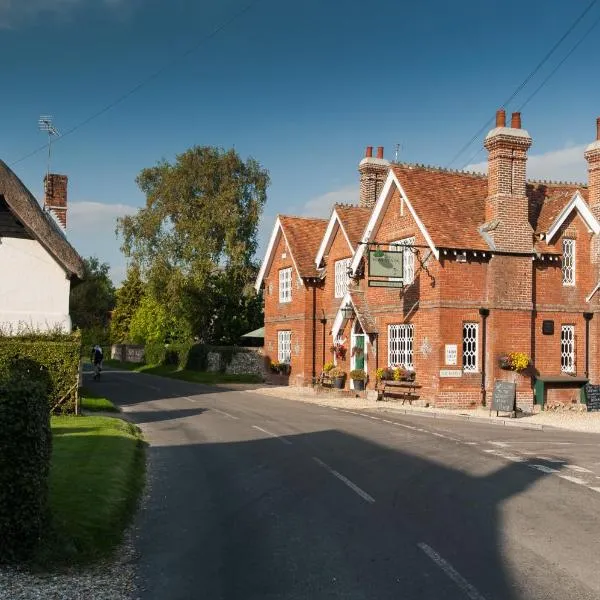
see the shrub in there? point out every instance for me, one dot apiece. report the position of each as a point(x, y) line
point(52, 359)
point(25, 449)
point(197, 357)
point(155, 353)
point(328, 366)
point(358, 375)
point(337, 372)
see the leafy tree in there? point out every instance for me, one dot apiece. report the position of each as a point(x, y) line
point(128, 298)
point(196, 237)
point(93, 298)
point(153, 323)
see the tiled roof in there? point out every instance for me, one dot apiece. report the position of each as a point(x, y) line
point(354, 220)
point(363, 312)
point(304, 236)
point(451, 204)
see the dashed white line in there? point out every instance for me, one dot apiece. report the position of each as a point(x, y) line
point(470, 591)
point(501, 444)
point(188, 399)
point(352, 486)
point(578, 468)
point(226, 414)
point(596, 489)
point(572, 479)
point(544, 469)
point(273, 435)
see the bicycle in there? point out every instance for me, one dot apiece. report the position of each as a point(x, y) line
point(97, 370)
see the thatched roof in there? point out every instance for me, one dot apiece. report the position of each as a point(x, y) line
point(38, 223)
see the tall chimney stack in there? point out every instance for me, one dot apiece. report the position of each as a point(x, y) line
point(506, 206)
point(373, 172)
point(592, 155)
point(55, 200)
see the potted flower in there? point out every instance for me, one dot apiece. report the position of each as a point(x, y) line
point(359, 377)
point(339, 351)
point(328, 366)
point(339, 378)
point(275, 366)
point(514, 361)
point(384, 374)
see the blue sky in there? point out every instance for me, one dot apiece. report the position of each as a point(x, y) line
point(302, 87)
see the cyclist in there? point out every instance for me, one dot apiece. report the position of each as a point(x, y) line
point(96, 358)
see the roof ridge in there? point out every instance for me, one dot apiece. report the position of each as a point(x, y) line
point(556, 182)
point(300, 217)
point(438, 169)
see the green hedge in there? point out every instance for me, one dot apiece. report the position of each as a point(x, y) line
point(54, 360)
point(25, 449)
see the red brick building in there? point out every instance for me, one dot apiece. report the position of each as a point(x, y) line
point(492, 264)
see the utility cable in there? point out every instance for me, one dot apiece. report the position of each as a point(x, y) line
point(144, 81)
point(527, 79)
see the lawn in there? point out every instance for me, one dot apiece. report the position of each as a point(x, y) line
point(90, 401)
point(208, 377)
point(96, 477)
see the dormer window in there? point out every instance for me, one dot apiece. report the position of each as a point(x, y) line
point(568, 262)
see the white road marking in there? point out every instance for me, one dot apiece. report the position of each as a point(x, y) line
point(386, 421)
point(470, 591)
point(501, 444)
point(578, 468)
point(222, 412)
point(471, 443)
point(274, 435)
point(595, 489)
point(352, 486)
point(544, 469)
point(188, 399)
point(572, 479)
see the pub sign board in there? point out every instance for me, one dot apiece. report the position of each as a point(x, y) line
point(504, 396)
point(386, 263)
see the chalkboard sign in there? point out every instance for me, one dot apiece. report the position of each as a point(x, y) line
point(504, 397)
point(592, 393)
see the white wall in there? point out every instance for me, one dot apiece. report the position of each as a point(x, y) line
point(34, 289)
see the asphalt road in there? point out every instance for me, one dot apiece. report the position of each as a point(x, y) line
point(255, 497)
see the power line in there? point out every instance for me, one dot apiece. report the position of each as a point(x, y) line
point(548, 77)
point(527, 79)
point(145, 81)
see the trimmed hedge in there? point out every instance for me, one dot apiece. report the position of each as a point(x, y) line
point(51, 359)
point(25, 450)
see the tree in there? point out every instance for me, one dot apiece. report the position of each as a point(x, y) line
point(200, 220)
point(153, 323)
point(93, 298)
point(128, 298)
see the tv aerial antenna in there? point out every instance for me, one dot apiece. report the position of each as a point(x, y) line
point(45, 124)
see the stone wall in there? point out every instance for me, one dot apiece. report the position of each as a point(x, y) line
point(244, 360)
point(133, 353)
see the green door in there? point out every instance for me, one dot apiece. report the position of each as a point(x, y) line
point(359, 357)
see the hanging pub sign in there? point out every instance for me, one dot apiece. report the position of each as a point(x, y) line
point(386, 263)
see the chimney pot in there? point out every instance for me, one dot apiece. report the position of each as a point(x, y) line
point(598, 128)
point(369, 152)
point(501, 118)
point(515, 121)
point(379, 151)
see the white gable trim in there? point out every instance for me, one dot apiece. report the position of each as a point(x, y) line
point(328, 237)
point(593, 292)
point(377, 215)
point(576, 203)
point(268, 259)
point(339, 317)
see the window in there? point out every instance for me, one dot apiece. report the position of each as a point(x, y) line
point(400, 346)
point(568, 262)
point(567, 348)
point(408, 259)
point(470, 347)
point(285, 285)
point(284, 346)
point(341, 277)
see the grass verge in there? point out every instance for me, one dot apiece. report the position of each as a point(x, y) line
point(174, 372)
point(90, 401)
point(96, 477)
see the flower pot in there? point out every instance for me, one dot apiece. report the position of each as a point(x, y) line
point(338, 383)
point(359, 384)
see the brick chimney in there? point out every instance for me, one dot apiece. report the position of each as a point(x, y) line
point(592, 155)
point(373, 172)
point(55, 188)
point(506, 207)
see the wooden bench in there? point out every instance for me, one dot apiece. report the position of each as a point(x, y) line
point(403, 389)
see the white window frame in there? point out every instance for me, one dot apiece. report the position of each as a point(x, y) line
point(400, 345)
point(285, 285)
point(408, 259)
point(284, 346)
point(569, 248)
point(567, 349)
point(342, 279)
point(470, 347)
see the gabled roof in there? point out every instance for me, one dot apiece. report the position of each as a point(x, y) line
point(302, 235)
point(558, 208)
point(39, 224)
point(351, 220)
point(357, 300)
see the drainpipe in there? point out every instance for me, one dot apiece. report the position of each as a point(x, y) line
point(484, 312)
point(314, 334)
point(323, 321)
point(588, 317)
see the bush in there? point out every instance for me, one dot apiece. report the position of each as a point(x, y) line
point(25, 449)
point(358, 375)
point(52, 359)
point(155, 353)
point(197, 357)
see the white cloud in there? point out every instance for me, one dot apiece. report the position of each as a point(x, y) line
point(91, 229)
point(14, 12)
point(321, 205)
point(567, 164)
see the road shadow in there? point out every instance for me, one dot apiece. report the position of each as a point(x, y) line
point(256, 519)
point(154, 416)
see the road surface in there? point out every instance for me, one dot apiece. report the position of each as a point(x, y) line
point(253, 497)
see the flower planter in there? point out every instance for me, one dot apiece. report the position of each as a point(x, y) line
point(359, 384)
point(338, 383)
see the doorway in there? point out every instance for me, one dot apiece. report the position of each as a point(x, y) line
point(358, 349)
